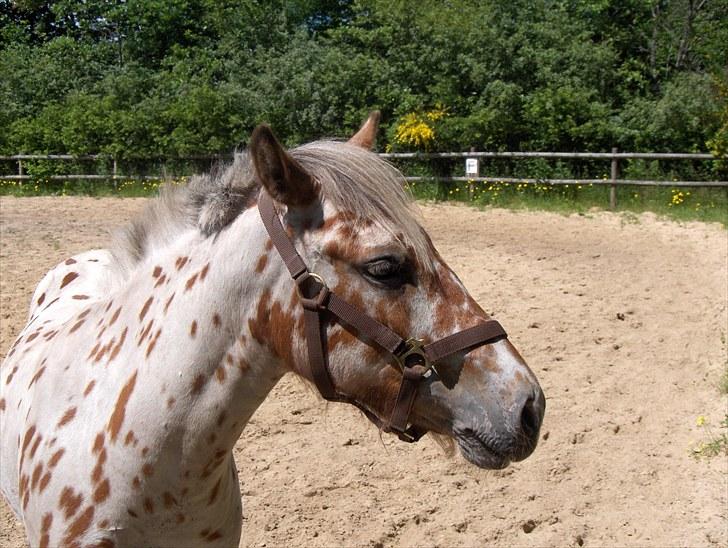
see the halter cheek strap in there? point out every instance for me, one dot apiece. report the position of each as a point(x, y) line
point(415, 359)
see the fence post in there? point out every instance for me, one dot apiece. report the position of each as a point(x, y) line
point(613, 186)
point(114, 175)
point(471, 185)
point(20, 169)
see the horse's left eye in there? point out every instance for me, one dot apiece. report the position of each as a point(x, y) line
point(388, 271)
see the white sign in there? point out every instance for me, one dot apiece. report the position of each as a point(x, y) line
point(471, 167)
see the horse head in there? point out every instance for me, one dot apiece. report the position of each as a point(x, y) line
point(356, 240)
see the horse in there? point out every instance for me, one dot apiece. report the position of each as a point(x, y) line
point(140, 365)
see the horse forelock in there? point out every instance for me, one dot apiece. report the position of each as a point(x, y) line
point(351, 179)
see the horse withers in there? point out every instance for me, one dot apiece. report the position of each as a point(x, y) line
point(122, 398)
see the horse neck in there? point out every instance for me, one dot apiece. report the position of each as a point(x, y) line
point(211, 374)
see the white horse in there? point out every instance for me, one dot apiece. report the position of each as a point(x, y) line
point(122, 398)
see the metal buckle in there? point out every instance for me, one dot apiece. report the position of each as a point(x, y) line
point(413, 354)
point(312, 300)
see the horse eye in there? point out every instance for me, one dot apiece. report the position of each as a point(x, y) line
point(382, 268)
point(389, 271)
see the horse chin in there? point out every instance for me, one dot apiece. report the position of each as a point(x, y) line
point(477, 451)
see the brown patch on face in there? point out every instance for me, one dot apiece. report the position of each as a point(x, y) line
point(161, 280)
point(220, 374)
point(197, 384)
point(69, 502)
point(216, 320)
point(278, 340)
point(145, 308)
point(37, 376)
point(262, 261)
point(45, 529)
point(170, 402)
point(117, 417)
point(156, 272)
point(395, 314)
point(89, 387)
point(193, 329)
point(147, 469)
point(101, 493)
point(70, 261)
point(203, 272)
point(148, 506)
point(243, 365)
point(41, 299)
point(105, 542)
point(180, 262)
point(190, 282)
point(68, 278)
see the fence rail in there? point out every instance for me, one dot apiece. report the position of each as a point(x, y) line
point(614, 157)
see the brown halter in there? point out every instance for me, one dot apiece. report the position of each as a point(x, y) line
point(415, 359)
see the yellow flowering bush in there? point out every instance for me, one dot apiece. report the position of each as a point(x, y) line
point(415, 130)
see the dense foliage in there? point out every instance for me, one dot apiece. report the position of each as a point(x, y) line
point(173, 77)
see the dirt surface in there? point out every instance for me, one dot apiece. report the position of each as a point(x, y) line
point(624, 321)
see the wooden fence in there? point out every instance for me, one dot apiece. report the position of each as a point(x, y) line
point(613, 181)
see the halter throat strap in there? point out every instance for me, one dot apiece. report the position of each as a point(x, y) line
point(415, 359)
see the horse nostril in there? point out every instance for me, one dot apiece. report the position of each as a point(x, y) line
point(530, 422)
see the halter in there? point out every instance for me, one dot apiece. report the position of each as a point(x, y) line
point(415, 359)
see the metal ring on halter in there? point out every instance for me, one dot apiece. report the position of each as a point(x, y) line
point(413, 354)
point(312, 301)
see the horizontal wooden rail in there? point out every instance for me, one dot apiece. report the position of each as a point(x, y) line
point(516, 180)
point(404, 156)
point(614, 157)
point(571, 155)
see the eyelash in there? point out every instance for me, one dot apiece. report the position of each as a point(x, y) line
point(391, 272)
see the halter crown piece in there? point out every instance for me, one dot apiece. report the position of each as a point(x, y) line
point(415, 359)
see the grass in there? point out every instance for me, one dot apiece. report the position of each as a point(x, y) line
point(708, 204)
point(123, 189)
point(681, 204)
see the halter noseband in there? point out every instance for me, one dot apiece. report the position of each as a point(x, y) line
point(415, 359)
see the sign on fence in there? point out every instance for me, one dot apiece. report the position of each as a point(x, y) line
point(471, 167)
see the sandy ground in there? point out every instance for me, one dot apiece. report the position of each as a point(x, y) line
point(622, 318)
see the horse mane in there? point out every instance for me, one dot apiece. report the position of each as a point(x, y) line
point(350, 177)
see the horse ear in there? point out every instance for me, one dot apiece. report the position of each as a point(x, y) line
point(367, 134)
point(282, 176)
